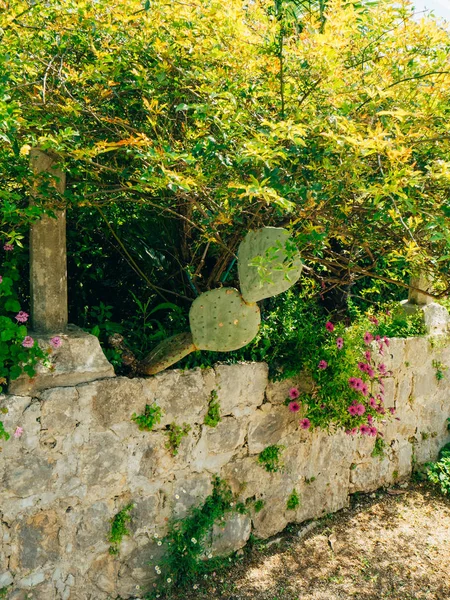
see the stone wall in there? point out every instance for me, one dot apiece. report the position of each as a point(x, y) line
point(81, 459)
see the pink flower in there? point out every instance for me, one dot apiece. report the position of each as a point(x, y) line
point(22, 316)
point(323, 364)
point(294, 393)
point(305, 424)
point(382, 368)
point(386, 341)
point(370, 419)
point(1, 279)
point(360, 409)
point(329, 326)
point(367, 355)
point(352, 409)
point(28, 342)
point(368, 337)
point(362, 367)
point(294, 407)
point(364, 429)
point(8, 247)
point(354, 431)
point(56, 341)
point(374, 320)
point(358, 383)
point(352, 382)
point(373, 431)
point(372, 402)
point(392, 410)
point(370, 372)
point(18, 432)
point(381, 349)
point(364, 389)
point(340, 343)
point(377, 338)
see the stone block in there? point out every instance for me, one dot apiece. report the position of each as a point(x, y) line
point(79, 359)
point(269, 425)
point(230, 535)
point(278, 391)
point(241, 387)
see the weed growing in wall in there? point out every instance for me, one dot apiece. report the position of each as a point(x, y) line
point(440, 369)
point(270, 458)
point(258, 506)
point(175, 434)
point(187, 555)
point(212, 417)
point(119, 528)
point(378, 449)
point(150, 418)
point(293, 502)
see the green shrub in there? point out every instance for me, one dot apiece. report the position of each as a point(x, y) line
point(212, 417)
point(150, 418)
point(293, 501)
point(175, 434)
point(118, 528)
point(439, 471)
point(270, 458)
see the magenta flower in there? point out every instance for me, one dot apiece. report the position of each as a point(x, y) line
point(28, 342)
point(373, 431)
point(360, 409)
point(380, 349)
point(370, 372)
point(358, 384)
point(340, 343)
point(323, 364)
point(18, 432)
point(392, 410)
point(294, 407)
point(382, 368)
point(362, 367)
point(352, 409)
point(386, 341)
point(374, 320)
point(367, 355)
point(56, 342)
point(305, 424)
point(370, 419)
point(1, 279)
point(354, 431)
point(8, 247)
point(294, 393)
point(352, 382)
point(22, 316)
point(368, 337)
point(372, 402)
point(377, 338)
point(364, 389)
point(329, 326)
point(364, 429)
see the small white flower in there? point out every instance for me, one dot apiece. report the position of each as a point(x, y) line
point(155, 535)
point(231, 504)
point(177, 496)
point(209, 555)
point(157, 568)
point(205, 576)
point(169, 580)
point(193, 540)
point(138, 587)
point(160, 543)
point(194, 587)
point(184, 491)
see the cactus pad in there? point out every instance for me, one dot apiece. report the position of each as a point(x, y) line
point(166, 354)
point(221, 321)
point(268, 263)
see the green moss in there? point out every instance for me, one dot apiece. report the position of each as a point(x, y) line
point(270, 458)
point(150, 418)
point(175, 434)
point(258, 505)
point(212, 417)
point(118, 528)
point(378, 449)
point(293, 501)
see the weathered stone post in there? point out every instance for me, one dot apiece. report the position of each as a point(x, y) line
point(422, 282)
point(48, 258)
point(77, 357)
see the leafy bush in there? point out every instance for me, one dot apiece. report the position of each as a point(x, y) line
point(119, 528)
point(439, 472)
point(150, 418)
point(270, 458)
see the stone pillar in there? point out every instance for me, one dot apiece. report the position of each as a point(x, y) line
point(422, 282)
point(48, 259)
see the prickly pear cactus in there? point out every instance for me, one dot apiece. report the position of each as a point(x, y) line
point(166, 354)
point(268, 263)
point(222, 321)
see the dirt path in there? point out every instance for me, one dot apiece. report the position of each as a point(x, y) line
point(394, 547)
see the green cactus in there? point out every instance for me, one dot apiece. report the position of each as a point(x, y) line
point(268, 263)
point(221, 321)
point(166, 354)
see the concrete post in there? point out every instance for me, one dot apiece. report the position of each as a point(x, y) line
point(48, 258)
point(422, 282)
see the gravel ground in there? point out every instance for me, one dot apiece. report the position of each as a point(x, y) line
point(392, 545)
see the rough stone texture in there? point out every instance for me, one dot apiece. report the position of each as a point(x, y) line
point(81, 459)
point(79, 359)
